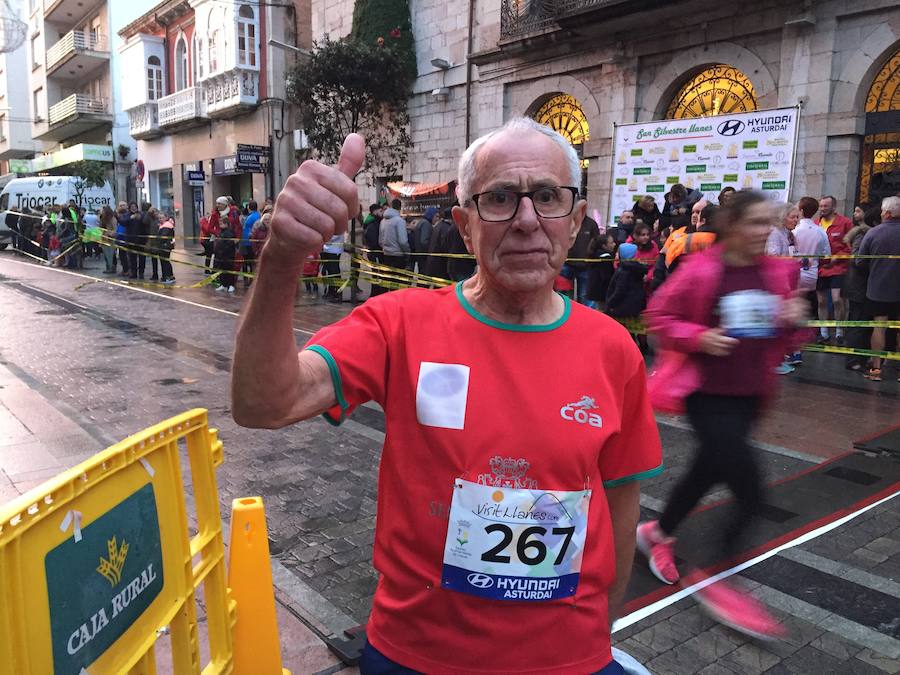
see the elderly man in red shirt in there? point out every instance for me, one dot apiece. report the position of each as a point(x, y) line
point(832, 271)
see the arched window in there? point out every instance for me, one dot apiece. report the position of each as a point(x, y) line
point(154, 79)
point(196, 62)
point(879, 174)
point(181, 64)
point(248, 49)
point(564, 114)
point(717, 90)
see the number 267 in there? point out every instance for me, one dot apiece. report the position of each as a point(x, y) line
point(529, 552)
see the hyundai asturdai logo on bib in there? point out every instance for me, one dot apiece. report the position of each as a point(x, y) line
point(582, 412)
point(480, 580)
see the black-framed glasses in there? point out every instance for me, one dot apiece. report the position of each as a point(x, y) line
point(497, 206)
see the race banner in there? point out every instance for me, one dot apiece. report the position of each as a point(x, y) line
point(746, 150)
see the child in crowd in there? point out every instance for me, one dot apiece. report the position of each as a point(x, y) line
point(601, 272)
point(52, 244)
point(310, 272)
point(647, 251)
point(626, 297)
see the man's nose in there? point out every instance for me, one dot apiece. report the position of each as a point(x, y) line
point(526, 217)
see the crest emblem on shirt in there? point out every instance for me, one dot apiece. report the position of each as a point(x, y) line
point(507, 472)
point(582, 411)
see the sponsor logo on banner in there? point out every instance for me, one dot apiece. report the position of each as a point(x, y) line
point(750, 145)
point(710, 187)
point(695, 168)
point(621, 181)
point(656, 188)
point(730, 127)
point(757, 166)
point(773, 185)
point(671, 180)
point(637, 152)
point(689, 148)
point(730, 178)
point(642, 171)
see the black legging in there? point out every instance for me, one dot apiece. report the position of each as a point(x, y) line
point(722, 425)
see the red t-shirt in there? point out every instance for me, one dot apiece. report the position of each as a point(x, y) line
point(556, 407)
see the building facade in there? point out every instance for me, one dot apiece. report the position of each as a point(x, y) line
point(15, 113)
point(209, 110)
point(585, 65)
point(74, 86)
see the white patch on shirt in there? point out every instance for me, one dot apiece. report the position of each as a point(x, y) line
point(441, 395)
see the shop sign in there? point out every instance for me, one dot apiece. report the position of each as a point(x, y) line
point(196, 178)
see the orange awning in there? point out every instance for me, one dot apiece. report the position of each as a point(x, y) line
point(406, 189)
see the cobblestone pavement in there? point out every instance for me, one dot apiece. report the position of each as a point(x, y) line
point(115, 359)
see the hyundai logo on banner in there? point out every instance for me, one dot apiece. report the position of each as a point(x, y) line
point(731, 128)
point(480, 580)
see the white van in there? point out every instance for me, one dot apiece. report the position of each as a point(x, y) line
point(41, 192)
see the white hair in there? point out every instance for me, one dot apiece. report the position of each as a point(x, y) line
point(516, 125)
point(782, 209)
point(891, 205)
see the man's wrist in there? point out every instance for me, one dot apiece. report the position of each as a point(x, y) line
point(278, 258)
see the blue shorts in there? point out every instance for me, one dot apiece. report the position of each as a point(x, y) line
point(373, 662)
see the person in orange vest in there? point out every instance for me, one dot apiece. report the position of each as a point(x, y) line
point(832, 272)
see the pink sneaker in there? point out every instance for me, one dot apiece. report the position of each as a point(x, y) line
point(739, 611)
point(660, 551)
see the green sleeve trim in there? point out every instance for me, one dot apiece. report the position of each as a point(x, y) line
point(616, 482)
point(518, 328)
point(335, 381)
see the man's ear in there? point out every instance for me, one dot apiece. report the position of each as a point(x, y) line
point(461, 218)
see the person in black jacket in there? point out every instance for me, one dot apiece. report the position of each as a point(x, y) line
point(225, 249)
point(645, 210)
point(625, 297)
point(135, 237)
point(439, 246)
point(457, 267)
point(601, 272)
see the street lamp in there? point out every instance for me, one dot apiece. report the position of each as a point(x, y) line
point(291, 48)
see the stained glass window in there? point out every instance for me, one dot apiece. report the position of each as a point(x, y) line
point(564, 114)
point(717, 90)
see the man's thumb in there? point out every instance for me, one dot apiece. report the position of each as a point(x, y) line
point(352, 155)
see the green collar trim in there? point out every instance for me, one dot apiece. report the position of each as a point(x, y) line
point(515, 327)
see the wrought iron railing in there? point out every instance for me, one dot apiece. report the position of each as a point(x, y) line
point(523, 17)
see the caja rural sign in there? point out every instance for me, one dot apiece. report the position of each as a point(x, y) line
point(101, 581)
point(746, 150)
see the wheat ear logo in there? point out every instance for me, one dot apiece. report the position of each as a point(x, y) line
point(112, 568)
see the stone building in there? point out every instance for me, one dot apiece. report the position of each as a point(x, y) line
point(583, 65)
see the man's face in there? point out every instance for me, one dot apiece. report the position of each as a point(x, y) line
point(627, 218)
point(695, 212)
point(826, 207)
point(523, 254)
point(750, 234)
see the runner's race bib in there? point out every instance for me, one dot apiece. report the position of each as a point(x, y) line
point(513, 544)
point(749, 314)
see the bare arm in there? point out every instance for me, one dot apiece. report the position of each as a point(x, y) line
point(624, 511)
point(271, 384)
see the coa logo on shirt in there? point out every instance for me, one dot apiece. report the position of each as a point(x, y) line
point(582, 412)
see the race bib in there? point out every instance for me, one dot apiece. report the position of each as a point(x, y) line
point(749, 314)
point(509, 544)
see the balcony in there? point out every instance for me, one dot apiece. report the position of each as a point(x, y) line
point(66, 12)
point(182, 110)
point(143, 121)
point(521, 18)
point(74, 115)
point(76, 54)
point(231, 93)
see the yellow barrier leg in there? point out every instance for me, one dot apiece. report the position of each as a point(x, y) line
point(257, 650)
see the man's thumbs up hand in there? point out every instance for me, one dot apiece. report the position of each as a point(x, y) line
point(315, 204)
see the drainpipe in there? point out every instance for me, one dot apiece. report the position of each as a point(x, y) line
point(469, 73)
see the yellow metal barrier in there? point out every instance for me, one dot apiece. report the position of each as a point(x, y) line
point(97, 562)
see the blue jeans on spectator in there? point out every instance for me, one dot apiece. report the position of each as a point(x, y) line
point(581, 277)
point(373, 662)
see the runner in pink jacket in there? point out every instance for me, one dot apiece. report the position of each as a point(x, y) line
point(725, 320)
